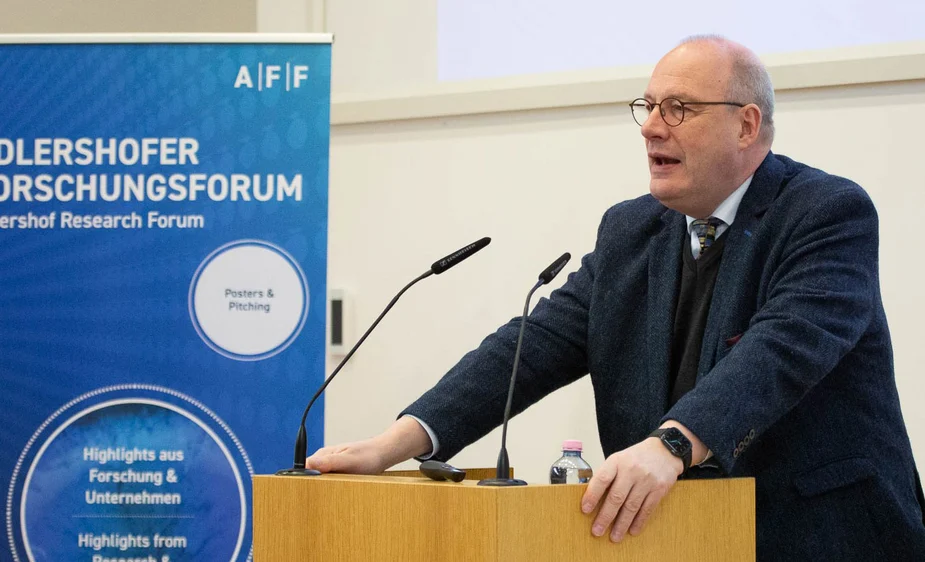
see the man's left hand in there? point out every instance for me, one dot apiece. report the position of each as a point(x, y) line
point(629, 486)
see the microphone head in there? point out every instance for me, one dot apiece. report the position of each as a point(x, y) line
point(459, 255)
point(554, 268)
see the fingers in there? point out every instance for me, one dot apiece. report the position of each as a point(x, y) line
point(598, 486)
point(628, 489)
point(318, 461)
point(628, 511)
point(323, 460)
point(629, 504)
point(616, 497)
point(351, 458)
point(646, 511)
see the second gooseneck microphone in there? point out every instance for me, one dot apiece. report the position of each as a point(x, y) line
point(504, 466)
point(439, 266)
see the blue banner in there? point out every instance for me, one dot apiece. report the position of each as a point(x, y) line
point(163, 218)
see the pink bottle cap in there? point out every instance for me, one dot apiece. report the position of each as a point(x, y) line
point(571, 445)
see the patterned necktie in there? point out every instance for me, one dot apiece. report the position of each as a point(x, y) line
point(705, 229)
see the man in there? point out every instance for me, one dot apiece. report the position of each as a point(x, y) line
point(735, 310)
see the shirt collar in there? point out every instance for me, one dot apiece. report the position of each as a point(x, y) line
point(726, 211)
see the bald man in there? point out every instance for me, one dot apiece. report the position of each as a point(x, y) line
point(732, 325)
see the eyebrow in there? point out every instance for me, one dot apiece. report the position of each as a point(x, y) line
point(677, 96)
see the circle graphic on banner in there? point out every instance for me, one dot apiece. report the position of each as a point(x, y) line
point(132, 476)
point(248, 300)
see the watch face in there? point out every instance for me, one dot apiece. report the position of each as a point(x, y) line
point(676, 441)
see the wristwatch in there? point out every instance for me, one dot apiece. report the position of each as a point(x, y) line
point(679, 445)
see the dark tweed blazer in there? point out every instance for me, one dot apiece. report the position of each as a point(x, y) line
point(795, 386)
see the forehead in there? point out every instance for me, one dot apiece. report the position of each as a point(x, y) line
point(694, 71)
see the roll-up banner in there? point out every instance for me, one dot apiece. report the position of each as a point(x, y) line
point(163, 241)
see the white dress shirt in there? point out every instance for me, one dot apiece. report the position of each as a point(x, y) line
point(726, 212)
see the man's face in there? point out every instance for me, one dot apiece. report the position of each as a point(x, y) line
point(695, 165)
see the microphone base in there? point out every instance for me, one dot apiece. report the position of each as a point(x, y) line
point(502, 482)
point(298, 472)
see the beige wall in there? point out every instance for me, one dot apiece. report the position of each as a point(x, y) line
point(196, 16)
point(405, 193)
point(382, 46)
point(96, 16)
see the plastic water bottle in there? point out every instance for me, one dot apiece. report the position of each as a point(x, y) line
point(570, 468)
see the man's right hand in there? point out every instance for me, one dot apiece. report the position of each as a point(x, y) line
point(359, 457)
point(403, 440)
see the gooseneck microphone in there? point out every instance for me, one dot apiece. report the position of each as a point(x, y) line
point(439, 266)
point(504, 466)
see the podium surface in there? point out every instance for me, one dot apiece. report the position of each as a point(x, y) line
point(338, 517)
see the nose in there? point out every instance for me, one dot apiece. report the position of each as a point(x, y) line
point(654, 126)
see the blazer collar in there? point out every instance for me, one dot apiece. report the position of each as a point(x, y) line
point(763, 189)
point(738, 257)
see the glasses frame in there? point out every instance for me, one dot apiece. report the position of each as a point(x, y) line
point(684, 104)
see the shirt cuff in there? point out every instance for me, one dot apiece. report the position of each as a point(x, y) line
point(706, 458)
point(434, 442)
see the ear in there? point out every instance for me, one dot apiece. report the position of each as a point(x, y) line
point(751, 121)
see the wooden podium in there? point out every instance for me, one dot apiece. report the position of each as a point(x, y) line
point(338, 517)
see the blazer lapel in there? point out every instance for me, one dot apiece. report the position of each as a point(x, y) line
point(738, 257)
point(664, 277)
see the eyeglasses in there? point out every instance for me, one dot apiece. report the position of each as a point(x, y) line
point(671, 109)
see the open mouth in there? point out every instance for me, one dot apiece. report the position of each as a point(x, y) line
point(665, 161)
